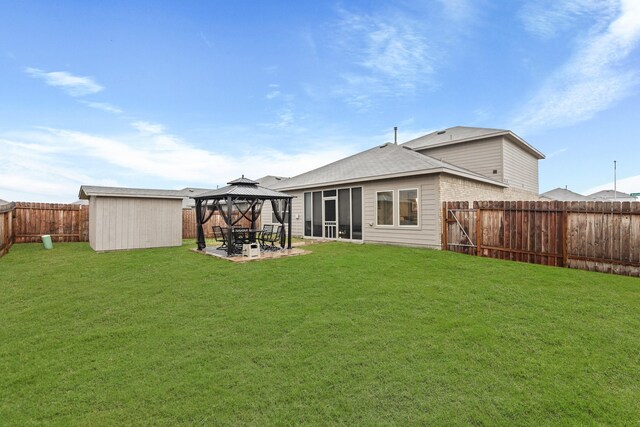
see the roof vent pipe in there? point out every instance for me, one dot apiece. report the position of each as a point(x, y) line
point(395, 135)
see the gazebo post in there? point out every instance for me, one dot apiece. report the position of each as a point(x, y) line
point(290, 203)
point(230, 226)
point(199, 232)
point(253, 216)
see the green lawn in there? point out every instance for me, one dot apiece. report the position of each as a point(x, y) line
point(349, 334)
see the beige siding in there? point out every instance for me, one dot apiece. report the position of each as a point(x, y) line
point(296, 220)
point(482, 157)
point(426, 234)
point(520, 167)
point(129, 223)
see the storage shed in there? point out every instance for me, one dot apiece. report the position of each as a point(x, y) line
point(131, 218)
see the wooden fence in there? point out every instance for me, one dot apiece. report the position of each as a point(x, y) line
point(24, 222)
point(595, 236)
point(63, 222)
point(189, 224)
point(7, 235)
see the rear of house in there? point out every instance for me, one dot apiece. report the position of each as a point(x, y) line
point(394, 193)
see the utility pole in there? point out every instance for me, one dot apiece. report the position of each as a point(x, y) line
point(615, 183)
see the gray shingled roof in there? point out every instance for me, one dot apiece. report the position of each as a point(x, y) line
point(380, 162)
point(459, 134)
point(562, 194)
point(6, 206)
point(609, 196)
point(93, 190)
point(243, 187)
point(270, 180)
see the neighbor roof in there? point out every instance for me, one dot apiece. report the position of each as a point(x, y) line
point(92, 190)
point(459, 134)
point(562, 194)
point(381, 162)
point(609, 195)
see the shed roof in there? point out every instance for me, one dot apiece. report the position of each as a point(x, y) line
point(563, 194)
point(6, 206)
point(460, 134)
point(93, 190)
point(381, 162)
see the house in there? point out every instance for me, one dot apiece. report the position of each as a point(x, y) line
point(610, 196)
point(565, 195)
point(394, 193)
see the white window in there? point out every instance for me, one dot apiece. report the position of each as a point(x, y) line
point(384, 208)
point(408, 207)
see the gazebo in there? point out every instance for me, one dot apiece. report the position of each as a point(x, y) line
point(244, 198)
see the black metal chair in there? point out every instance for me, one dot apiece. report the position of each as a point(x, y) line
point(263, 234)
point(220, 235)
point(272, 238)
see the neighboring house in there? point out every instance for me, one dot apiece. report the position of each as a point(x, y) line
point(187, 193)
point(565, 195)
point(610, 196)
point(394, 193)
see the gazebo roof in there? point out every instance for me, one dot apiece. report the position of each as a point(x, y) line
point(242, 188)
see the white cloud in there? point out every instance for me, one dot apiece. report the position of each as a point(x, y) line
point(390, 53)
point(273, 94)
point(626, 185)
point(73, 85)
point(50, 165)
point(102, 106)
point(596, 75)
point(148, 128)
point(548, 18)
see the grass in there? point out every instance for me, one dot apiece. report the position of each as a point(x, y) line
point(349, 334)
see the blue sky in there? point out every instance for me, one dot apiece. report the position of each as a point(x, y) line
point(174, 94)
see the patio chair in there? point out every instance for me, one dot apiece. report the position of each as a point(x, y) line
point(220, 235)
point(272, 238)
point(266, 231)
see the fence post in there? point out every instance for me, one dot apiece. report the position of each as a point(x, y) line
point(565, 236)
point(445, 244)
point(478, 229)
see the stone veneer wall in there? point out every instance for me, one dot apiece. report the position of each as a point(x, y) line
point(454, 188)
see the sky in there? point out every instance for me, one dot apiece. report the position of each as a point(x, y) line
point(170, 95)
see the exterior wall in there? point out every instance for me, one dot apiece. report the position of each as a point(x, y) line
point(130, 223)
point(481, 157)
point(453, 188)
point(425, 234)
point(520, 168)
point(297, 220)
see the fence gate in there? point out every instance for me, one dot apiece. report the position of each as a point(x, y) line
point(460, 228)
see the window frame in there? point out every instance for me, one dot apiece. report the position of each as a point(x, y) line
point(417, 225)
point(393, 220)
